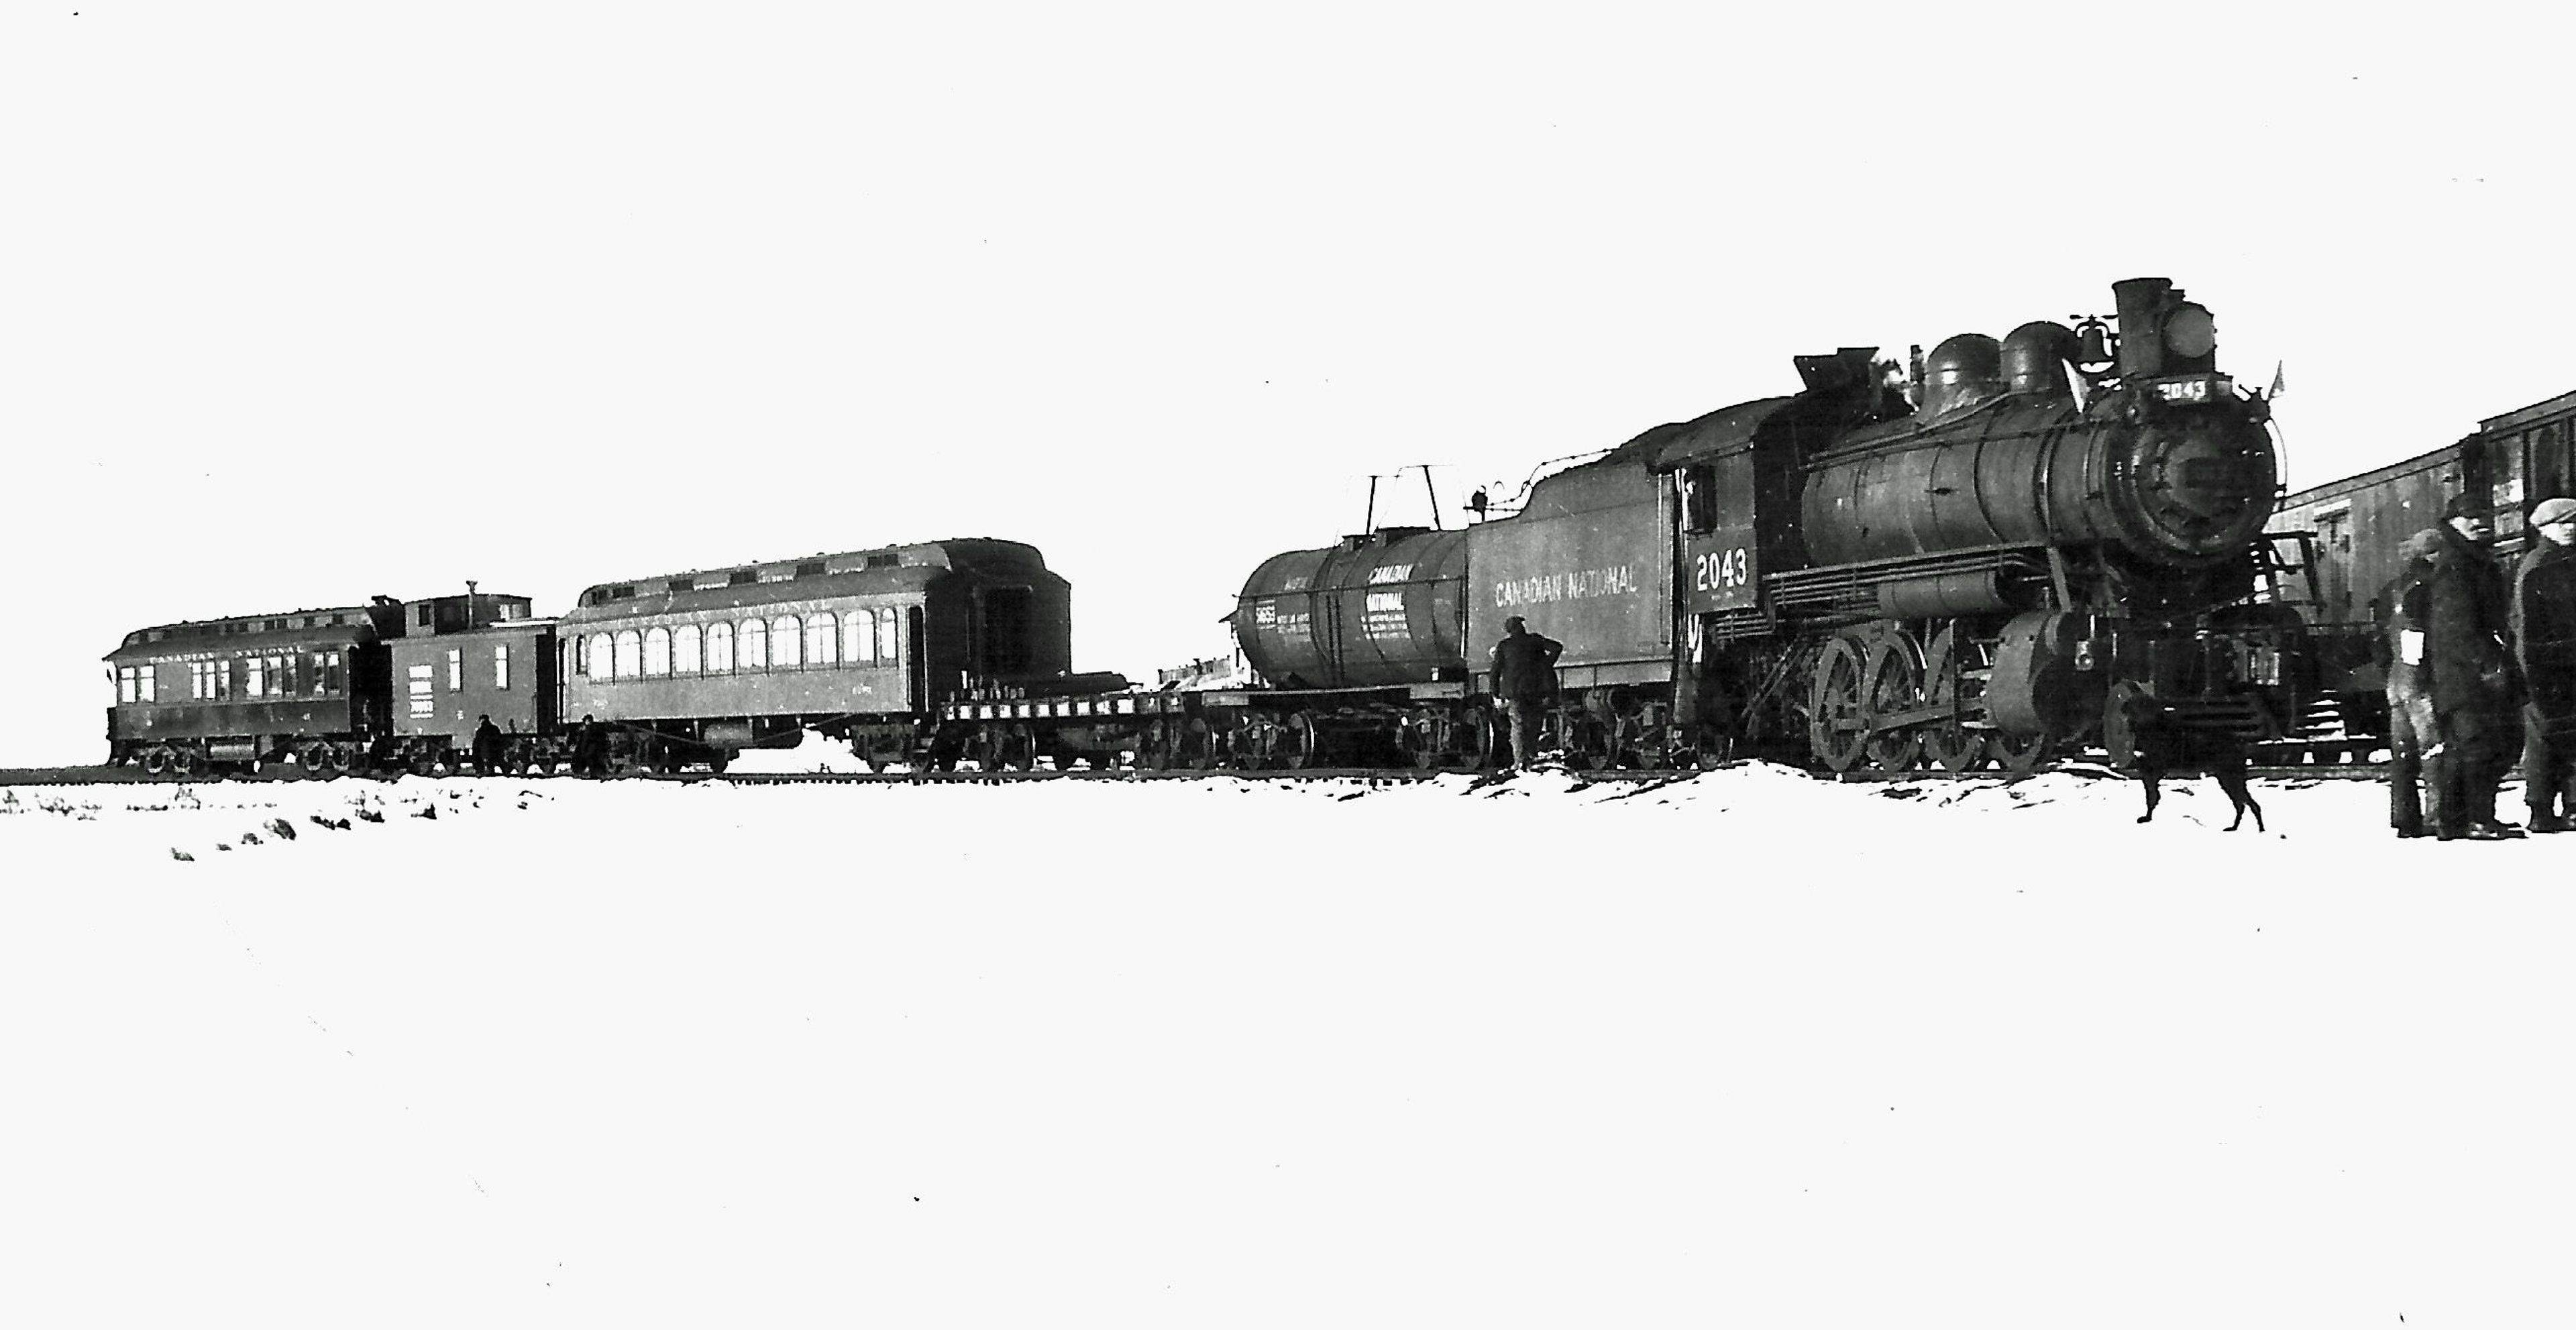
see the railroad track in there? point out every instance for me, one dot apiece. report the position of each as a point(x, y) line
point(1376, 776)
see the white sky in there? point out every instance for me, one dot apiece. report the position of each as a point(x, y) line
point(306, 302)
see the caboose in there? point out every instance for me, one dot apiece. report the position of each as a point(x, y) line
point(1947, 566)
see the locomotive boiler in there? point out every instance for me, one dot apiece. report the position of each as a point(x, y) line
point(2002, 550)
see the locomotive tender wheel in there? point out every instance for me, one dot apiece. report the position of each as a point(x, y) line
point(1893, 681)
point(1837, 713)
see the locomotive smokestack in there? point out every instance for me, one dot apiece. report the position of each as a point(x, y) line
point(2141, 302)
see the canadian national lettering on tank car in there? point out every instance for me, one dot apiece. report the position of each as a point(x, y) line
point(1975, 558)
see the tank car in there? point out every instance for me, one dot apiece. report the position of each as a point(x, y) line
point(1950, 566)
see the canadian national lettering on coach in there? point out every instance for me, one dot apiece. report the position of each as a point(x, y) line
point(1947, 567)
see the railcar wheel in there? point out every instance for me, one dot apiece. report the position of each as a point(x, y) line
point(1300, 743)
point(156, 762)
point(1198, 745)
point(1837, 709)
point(1893, 681)
point(1586, 743)
point(186, 763)
point(2020, 754)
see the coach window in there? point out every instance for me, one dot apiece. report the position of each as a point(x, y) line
point(456, 669)
point(785, 649)
point(684, 649)
point(719, 648)
point(751, 647)
point(657, 651)
point(124, 684)
point(859, 638)
point(335, 681)
point(258, 677)
point(147, 682)
point(601, 657)
point(501, 667)
point(888, 650)
point(821, 640)
point(630, 652)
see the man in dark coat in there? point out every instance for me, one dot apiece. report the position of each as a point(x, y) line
point(1525, 682)
point(589, 749)
point(2412, 729)
point(2473, 687)
point(487, 746)
point(2544, 637)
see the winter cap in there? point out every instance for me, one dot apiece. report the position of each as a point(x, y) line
point(2461, 505)
point(2423, 544)
point(2553, 510)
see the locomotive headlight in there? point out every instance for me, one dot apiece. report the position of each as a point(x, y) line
point(2189, 331)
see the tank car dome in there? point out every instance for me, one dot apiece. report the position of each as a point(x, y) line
point(1963, 371)
point(2035, 357)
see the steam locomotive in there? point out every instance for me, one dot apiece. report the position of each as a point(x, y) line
point(1991, 553)
point(1999, 557)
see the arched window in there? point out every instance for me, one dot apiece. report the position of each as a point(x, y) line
point(888, 650)
point(751, 646)
point(630, 651)
point(684, 649)
point(597, 666)
point(719, 648)
point(657, 651)
point(859, 638)
point(783, 643)
point(822, 641)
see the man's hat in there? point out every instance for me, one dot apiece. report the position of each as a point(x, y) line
point(2461, 505)
point(1516, 621)
point(2423, 544)
point(2553, 510)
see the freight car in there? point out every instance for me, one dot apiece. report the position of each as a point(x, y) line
point(1950, 570)
point(2353, 527)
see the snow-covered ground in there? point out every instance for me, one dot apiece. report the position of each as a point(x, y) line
point(1747, 1049)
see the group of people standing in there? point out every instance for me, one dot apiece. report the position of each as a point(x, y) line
point(2482, 667)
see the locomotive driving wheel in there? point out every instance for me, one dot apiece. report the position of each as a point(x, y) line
point(2020, 754)
point(1837, 709)
point(1893, 681)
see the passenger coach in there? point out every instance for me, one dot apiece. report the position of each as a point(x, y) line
point(697, 666)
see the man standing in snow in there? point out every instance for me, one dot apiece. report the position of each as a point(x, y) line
point(2473, 686)
point(2544, 639)
point(1524, 682)
point(2413, 736)
point(487, 747)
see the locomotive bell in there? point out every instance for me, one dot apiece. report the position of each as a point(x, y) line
point(1963, 371)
